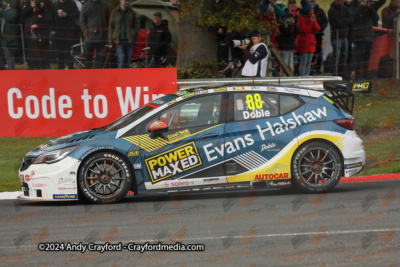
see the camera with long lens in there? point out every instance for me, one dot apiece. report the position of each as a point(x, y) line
point(239, 42)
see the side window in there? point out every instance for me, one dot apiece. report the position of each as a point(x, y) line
point(250, 106)
point(289, 103)
point(199, 111)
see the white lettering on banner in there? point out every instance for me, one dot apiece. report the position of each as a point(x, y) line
point(128, 103)
point(52, 103)
point(103, 99)
point(32, 113)
point(62, 106)
point(86, 97)
point(10, 101)
point(32, 105)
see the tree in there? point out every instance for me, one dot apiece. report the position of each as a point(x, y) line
point(200, 20)
point(195, 43)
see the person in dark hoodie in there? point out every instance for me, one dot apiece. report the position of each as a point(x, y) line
point(65, 13)
point(339, 18)
point(365, 16)
point(94, 23)
point(159, 39)
point(123, 31)
point(322, 20)
point(287, 38)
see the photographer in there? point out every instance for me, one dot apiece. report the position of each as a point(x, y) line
point(257, 60)
point(37, 20)
point(365, 17)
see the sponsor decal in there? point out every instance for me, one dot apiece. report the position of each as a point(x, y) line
point(361, 86)
point(269, 147)
point(21, 178)
point(238, 88)
point(220, 90)
point(158, 102)
point(65, 196)
point(212, 151)
point(43, 147)
point(231, 167)
point(178, 135)
point(173, 162)
point(66, 180)
point(272, 176)
point(38, 185)
point(272, 89)
point(353, 165)
point(292, 123)
point(29, 177)
point(178, 183)
point(137, 166)
point(208, 180)
point(133, 153)
point(291, 90)
point(256, 114)
point(172, 102)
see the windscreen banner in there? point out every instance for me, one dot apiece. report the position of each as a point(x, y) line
point(57, 102)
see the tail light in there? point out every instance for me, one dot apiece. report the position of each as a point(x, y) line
point(346, 123)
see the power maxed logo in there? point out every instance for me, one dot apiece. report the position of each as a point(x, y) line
point(173, 162)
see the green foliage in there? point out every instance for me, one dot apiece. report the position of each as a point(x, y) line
point(234, 18)
point(198, 70)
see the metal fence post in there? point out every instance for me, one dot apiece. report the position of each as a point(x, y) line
point(23, 44)
point(396, 48)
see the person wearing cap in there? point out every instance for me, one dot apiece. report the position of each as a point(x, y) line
point(287, 38)
point(305, 42)
point(256, 63)
point(265, 12)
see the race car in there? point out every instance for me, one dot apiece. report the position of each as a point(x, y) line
point(205, 139)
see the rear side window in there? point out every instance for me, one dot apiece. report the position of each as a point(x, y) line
point(289, 103)
point(250, 106)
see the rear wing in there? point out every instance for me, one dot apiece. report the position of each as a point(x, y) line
point(342, 93)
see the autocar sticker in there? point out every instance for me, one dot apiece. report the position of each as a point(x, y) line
point(145, 142)
point(279, 167)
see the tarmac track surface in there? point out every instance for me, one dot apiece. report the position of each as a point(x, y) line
point(356, 224)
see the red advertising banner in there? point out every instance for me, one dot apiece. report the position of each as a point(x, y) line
point(58, 102)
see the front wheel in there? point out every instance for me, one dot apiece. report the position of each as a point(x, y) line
point(316, 167)
point(105, 177)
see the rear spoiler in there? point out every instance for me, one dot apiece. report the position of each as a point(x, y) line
point(342, 93)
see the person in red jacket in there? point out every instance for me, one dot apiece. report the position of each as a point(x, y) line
point(305, 42)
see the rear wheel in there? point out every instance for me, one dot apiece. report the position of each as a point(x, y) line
point(105, 177)
point(316, 167)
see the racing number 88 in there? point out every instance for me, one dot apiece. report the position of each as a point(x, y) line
point(251, 104)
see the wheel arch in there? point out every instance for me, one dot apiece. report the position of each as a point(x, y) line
point(322, 141)
point(134, 186)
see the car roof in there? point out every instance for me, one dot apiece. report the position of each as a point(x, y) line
point(285, 89)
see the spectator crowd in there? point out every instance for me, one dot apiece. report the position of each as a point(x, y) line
point(50, 30)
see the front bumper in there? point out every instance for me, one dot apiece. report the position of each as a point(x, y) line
point(56, 181)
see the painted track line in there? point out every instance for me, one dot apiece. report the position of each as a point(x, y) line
point(372, 178)
point(275, 235)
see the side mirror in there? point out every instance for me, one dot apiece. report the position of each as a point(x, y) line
point(156, 128)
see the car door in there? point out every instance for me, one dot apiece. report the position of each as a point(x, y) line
point(257, 137)
point(177, 158)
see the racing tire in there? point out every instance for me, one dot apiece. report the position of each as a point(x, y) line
point(104, 177)
point(316, 167)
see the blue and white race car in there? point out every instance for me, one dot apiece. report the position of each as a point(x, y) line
point(204, 139)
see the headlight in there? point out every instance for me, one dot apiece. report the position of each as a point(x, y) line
point(56, 155)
